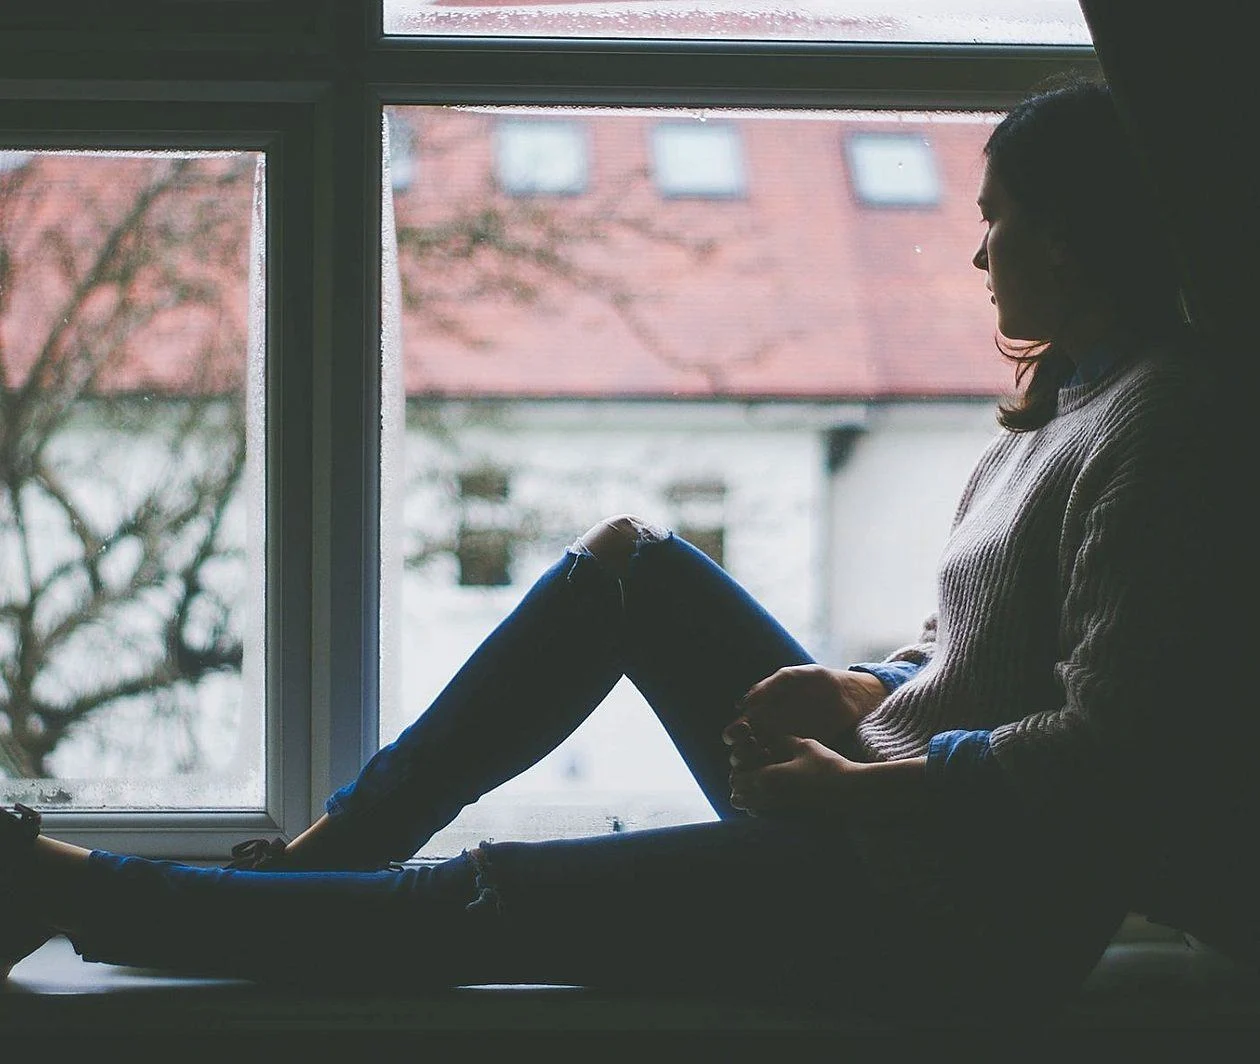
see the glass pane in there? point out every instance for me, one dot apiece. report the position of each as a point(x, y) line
point(131, 524)
point(759, 372)
point(912, 21)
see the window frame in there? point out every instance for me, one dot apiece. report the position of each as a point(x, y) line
point(279, 132)
point(307, 81)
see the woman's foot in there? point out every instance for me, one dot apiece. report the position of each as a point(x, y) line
point(22, 931)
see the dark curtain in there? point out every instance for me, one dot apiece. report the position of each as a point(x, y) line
point(1183, 75)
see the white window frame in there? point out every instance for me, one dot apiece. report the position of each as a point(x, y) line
point(208, 76)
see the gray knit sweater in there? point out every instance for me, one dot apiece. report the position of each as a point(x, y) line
point(1062, 592)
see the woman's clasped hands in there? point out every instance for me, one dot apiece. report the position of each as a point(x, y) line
point(782, 761)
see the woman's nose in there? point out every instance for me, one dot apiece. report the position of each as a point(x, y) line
point(980, 260)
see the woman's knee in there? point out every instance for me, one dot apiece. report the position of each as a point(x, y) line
point(614, 540)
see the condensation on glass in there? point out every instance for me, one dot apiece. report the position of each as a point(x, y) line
point(132, 295)
point(730, 323)
point(912, 21)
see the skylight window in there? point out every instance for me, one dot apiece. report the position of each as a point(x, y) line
point(402, 153)
point(702, 161)
point(13, 160)
point(893, 170)
point(541, 158)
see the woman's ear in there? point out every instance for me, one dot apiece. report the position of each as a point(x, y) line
point(1057, 250)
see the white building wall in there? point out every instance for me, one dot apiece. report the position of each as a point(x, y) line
point(572, 464)
point(891, 506)
point(844, 561)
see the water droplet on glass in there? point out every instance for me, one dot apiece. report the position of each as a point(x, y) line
point(918, 250)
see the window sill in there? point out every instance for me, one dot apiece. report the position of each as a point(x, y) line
point(1151, 983)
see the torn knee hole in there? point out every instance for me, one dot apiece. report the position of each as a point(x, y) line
point(614, 541)
point(486, 895)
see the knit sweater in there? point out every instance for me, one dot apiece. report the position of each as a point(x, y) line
point(1063, 589)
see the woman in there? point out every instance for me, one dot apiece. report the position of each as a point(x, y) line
point(956, 829)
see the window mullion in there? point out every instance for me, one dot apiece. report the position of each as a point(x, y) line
point(714, 73)
point(346, 445)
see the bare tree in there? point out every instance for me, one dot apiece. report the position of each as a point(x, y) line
point(467, 247)
point(122, 420)
point(122, 439)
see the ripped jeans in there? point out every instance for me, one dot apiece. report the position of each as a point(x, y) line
point(740, 903)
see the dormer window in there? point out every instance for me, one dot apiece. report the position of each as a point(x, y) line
point(535, 157)
point(893, 170)
point(698, 161)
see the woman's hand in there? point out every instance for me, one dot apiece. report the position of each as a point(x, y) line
point(807, 701)
point(788, 776)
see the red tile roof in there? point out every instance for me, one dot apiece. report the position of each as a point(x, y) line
point(804, 292)
point(794, 290)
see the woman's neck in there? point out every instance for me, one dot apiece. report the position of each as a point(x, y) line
point(1088, 334)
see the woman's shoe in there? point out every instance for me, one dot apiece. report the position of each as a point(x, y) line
point(272, 855)
point(258, 855)
point(21, 934)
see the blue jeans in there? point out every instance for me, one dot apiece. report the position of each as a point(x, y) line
point(688, 906)
point(741, 904)
point(687, 636)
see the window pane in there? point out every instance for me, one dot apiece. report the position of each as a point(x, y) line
point(913, 21)
point(131, 297)
point(762, 373)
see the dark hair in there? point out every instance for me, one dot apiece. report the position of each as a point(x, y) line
point(1066, 160)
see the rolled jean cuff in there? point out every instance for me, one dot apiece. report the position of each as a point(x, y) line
point(892, 674)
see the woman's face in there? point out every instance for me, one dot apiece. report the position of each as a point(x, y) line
point(1023, 265)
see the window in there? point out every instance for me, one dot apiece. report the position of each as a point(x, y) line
point(484, 547)
point(893, 170)
point(402, 156)
point(131, 510)
point(541, 128)
point(694, 159)
point(699, 515)
point(540, 158)
point(686, 360)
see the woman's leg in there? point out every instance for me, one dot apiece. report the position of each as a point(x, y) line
point(755, 907)
point(743, 906)
point(694, 642)
point(626, 599)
